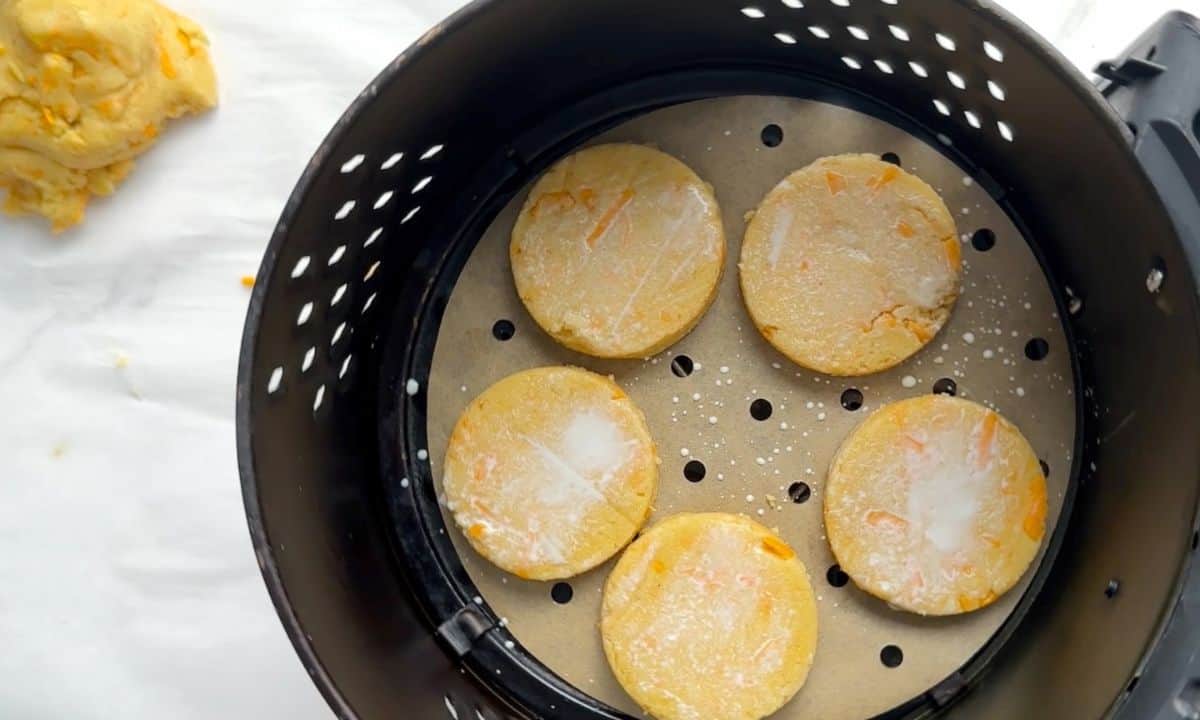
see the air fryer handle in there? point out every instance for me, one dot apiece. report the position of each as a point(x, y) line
point(1155, 86)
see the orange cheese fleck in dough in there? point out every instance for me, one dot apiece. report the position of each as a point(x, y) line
point(835, 182)
point(164, 60)
point(905, 229)
point(1035, 520)
point(885, 519)
point(778, 548)
point(557, 200)
point(610, 215)
point(886, 177)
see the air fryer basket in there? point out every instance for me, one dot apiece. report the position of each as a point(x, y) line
point(388, 250)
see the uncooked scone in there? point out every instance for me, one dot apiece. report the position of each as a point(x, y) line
point(618, 251)
point(709, 617)
point(550, 471)
point(85, 86)
point(936, 505)
point(850, 265)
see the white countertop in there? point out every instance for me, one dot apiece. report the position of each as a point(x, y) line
point(128, 588)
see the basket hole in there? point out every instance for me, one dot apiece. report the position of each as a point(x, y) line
point(383, 199)
point(945, 386)
point(1005, 131)
point(799, 492)
point(946, 42)
point(300, 266)
point(1112, 588)
point(432, 152)
point(942, 106)
point(918, 69)
point(785, 38)
point(318, 398)
point(972, 119)
point(1037, 349)
point(338, 332)
point(368, 303)
point(345, 367)
point(852, 399)
point(392, 161)
point(884, 67)
point(344, 211)
point(890, 157)
point(503, 330)
point(274, 381)
point(996, 91)
point(305, 313)
point(411, 213)
point(992, 51)
point(753, 13)
point(309, 356)
point(761, 409)
point(682, 366)
point(694, 471)
point(857, 33)
point(891, 656)
point(836, 576)
point(338, 253)
point(373, 237)
point(338, 295)
point(371, 271)
point(562, 593)
point(422, 184)
point(772, 135)
point(450, 709)
point(891, 2)
point(352, 164)
point(819, 32)
point(899, 33)
point(956, 80)
point(841, 3)
point(1045, 466)
point(793, 4)
point(983, 239)
point(852, 63)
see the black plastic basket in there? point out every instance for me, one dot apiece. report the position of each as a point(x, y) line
point(352, 289)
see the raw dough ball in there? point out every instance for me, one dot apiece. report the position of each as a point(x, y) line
point(850, 265)
point(709, 617)
point(550, 472)
point(85, 86)
point(618, 251)
point(936, 505)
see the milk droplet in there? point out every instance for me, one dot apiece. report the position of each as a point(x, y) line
point(1020, 392)
point(684, 452)
point(908, 381)
point(712, 419)
point(411, 387)
point(969, 337)
point(724, 368)
point(988, 354)
point(422, 454)
point(403, 482)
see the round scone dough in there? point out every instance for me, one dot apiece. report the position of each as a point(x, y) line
point(550, 472)
point(936, 505)
point(709, 616)
point(850, 265)
point(618, 251)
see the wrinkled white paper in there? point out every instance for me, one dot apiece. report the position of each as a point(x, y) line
point(128, 588)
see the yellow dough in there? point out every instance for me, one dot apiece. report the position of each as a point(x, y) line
point(550, 472)
point(85, 86)
point(709, 617)
point(618, 251)
point(850, 265)
point(936, 505)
